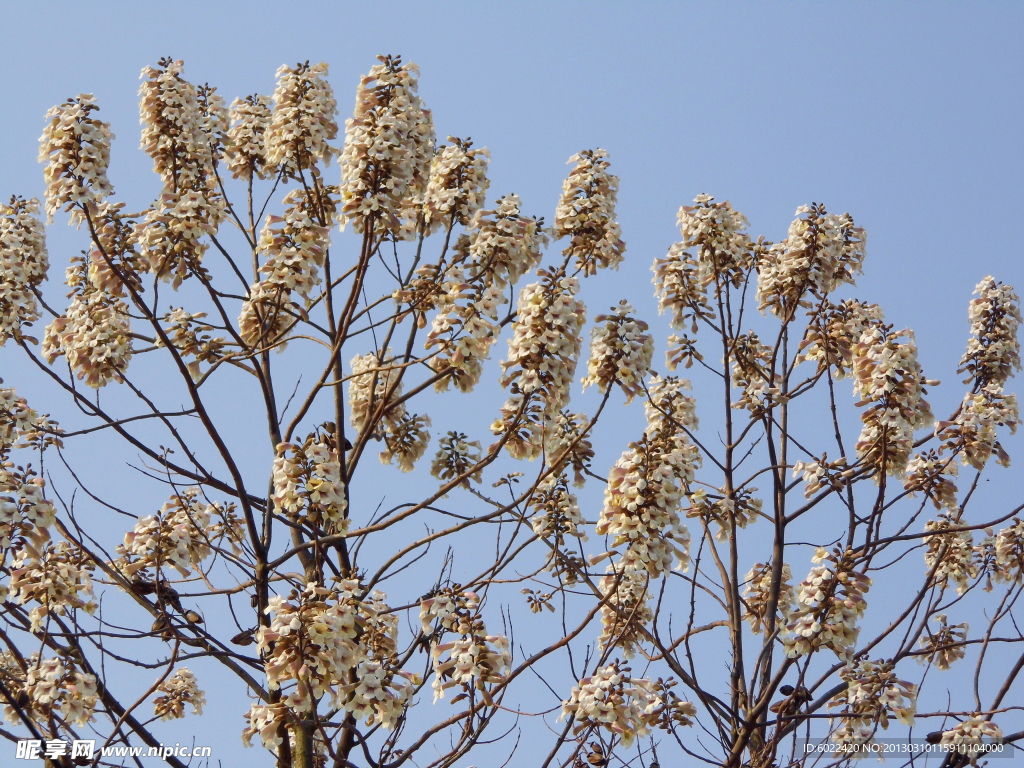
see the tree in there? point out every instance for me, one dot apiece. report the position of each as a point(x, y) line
point(265, 566)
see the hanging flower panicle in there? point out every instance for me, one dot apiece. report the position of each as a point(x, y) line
point(181, 536)
point(318, 637)
point(945, 645)
point(245, 151)
point(828, 604)
point(457, 455)
point(23, 265)
point(308, 486)
point(890, 381)
point(620, 352)
point(389, 143)
point(456, 186)
point(993, 352)
point(94, 334)
point(728, 510)
point(627, 611)
point(971, 737)
point(627, 707)
point(182, 128)
point(822, 252)
point(932, 474)
point(190, 336)
point(545, 345)
point(950, 553)
point(472, 661)
point(757, 596)
point(873, 694)
point(567, 444)
point(376, 380)
point(586, 214)
point(25, 513)
point(178, 691)
point(833, 331)
point(500, 245)
point(557, 515)
point(302, 121)
point(751, 372)
point(1008, 549)
point(50, 686)
point(57, 579)
point(642, 502)
point(822, 473)
point(295, 247)
point(75, 146)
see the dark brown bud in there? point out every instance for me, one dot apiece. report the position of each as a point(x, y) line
point(243, 638)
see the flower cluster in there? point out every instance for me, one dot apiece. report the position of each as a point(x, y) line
point(265, 720)
point(821, 252)
point(586, 214)
point(751, 372)
point(76, 149)
point(545, 345)
point(181, 129)
point(873, 694)
point(456, 186)
point(967, 736)
point(945, 645)
point(668, 410)
point(626, 706)
point(57, 578)
point(1009, 552)
point(973, 431)
point(620, 352)
point(627, 610)
point(931, 474)
point(821, 473)
point(181, 536)
point(464, 329)
point(558, 511)
point(566, 445)
point(321, 635)
point(302, 121)
point(642, 502)
point(374, 385)
point(757, 595)
point(25, 513)
point(295, 247)
point(189, 335)
point(950, 553)
point(245, 151)
point(308, 486)
point(993, 353)
point(833, 331)
point(179, 690)
point(389, 142)
point(500, 245)
point(729, 510)
point(94, 334)
point(828, 604)
point(55, 685)
point(715, 249)
point(23, 266)
point(475, 658)
point(889, 380)
point(456, 456)
point(451, 607)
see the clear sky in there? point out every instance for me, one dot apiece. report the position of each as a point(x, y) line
point(908, 115)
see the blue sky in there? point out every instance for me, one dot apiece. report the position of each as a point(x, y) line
point(907, 115)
